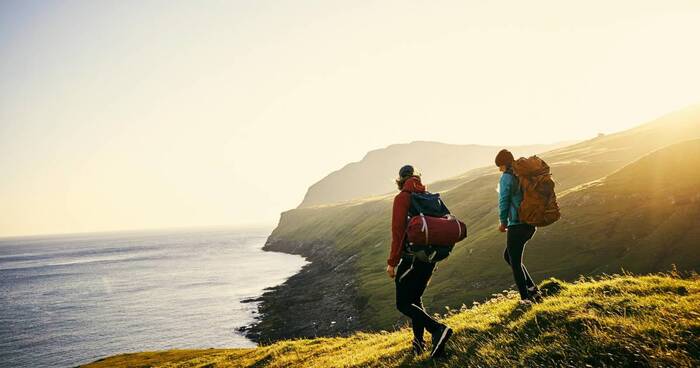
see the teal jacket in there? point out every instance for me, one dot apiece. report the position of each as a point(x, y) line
point(509, 198)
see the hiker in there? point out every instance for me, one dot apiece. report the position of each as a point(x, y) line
point(411, 275)
point(518, 233)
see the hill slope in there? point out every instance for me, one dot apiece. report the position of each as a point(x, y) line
point(616, 321)
point(374, 174)
point(603, 228)
point(617, 222)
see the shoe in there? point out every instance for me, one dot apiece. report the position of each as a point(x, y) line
point(440, 338)
point(534, 295)
point(525, 302)
point(418, 346)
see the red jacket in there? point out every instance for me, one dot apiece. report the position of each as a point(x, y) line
point(402, 202)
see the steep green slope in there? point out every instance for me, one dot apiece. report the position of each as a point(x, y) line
point(644, 215)
point(601, 230)
point(622, 321)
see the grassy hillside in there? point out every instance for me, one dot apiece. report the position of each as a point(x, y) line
point(649, 321)
point(609, 221)
point(374, 173)
point(616, 222)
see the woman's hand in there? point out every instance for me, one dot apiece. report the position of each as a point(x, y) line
point(391, 270)
point(502, 228)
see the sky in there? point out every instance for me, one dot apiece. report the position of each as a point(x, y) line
point(158, 114)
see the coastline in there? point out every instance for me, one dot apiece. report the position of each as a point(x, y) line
point(330, 303)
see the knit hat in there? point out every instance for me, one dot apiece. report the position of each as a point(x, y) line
point(504, 157)
point(406, 170)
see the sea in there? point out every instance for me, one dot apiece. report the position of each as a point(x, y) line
point(67, 300)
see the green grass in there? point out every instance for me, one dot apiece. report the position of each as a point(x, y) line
point(610, 219)
point(619, 320)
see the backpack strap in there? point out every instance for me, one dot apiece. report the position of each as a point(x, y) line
point(515, 177)
point(424, 228)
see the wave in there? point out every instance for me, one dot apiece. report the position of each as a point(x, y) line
point(76, 253)
point(72, 262)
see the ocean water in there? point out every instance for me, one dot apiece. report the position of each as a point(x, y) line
point(69, 300)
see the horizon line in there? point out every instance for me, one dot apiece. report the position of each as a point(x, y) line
point(142, 230)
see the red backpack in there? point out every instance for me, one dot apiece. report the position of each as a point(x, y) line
point(431, 231)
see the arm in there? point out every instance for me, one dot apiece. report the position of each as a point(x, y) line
point(504, 200)
point(398, 226)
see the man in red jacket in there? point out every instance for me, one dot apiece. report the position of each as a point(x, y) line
point(411, 275)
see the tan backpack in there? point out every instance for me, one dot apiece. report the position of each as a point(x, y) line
point(539, 206)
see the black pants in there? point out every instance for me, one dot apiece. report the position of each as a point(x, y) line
point(517, 237)
point(412, 277)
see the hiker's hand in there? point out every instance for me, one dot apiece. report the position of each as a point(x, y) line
point(502, 228)
point(391, 270)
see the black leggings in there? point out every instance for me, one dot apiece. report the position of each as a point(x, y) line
point(517, 237)
point(412, 277)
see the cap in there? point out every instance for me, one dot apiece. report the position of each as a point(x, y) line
point(406, 170)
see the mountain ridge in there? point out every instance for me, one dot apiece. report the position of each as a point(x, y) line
point(373, 174)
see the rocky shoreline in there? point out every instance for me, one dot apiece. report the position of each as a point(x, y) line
point(320, 300)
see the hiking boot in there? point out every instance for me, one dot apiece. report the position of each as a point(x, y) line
point(534, 295)
point(440, 338)
point(418, 346)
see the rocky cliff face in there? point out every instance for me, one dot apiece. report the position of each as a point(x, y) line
point(321, 300)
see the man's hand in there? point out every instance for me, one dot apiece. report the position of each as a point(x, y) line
point(502, 228)
point(391, 270)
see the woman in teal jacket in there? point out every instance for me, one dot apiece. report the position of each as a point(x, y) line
point(510, 196)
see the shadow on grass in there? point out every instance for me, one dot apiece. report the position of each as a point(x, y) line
point(469, 338)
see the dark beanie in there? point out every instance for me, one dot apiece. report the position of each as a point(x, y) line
point(504, 157)
point(406, 170)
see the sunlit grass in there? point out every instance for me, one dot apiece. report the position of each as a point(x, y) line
point(620, 320)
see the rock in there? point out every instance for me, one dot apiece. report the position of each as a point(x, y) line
point(252, 300)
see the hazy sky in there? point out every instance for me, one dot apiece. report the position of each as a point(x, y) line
point(145, 114)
